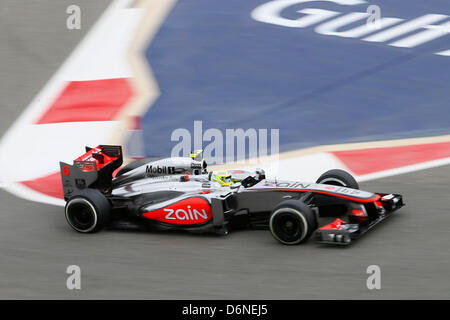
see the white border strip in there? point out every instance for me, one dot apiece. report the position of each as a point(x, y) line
point(402, 170)
point(57, 82)
point(46, 97)
point(22, 191)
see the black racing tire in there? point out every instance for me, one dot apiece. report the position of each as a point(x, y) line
point(131, 166)
point(88, 211)
point(338, 177)
point(292, 222)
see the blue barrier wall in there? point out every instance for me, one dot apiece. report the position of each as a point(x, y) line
point(214, 63)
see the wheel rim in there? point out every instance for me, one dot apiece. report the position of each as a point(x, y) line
point(81, 215)
point(288, 226)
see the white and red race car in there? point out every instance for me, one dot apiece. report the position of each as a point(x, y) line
point(178, 194)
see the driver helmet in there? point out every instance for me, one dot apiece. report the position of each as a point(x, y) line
point(222, 177)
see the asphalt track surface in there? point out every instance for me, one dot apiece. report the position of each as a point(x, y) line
point(37, 245)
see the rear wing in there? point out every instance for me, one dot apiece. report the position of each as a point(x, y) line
point(93, 169)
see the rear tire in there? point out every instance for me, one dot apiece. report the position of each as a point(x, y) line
point(292, 222)
point(88, 211)
point(338, 177)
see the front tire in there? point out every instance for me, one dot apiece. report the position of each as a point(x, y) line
point(292, 222)
point(88, 211)
point(338, 177)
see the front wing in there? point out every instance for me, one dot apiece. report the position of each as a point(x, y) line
point(341, 232)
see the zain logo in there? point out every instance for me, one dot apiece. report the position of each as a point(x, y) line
point(181, 214)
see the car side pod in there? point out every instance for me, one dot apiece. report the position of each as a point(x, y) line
point(341, 232)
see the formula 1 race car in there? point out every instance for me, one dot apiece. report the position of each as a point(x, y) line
point(180, 194)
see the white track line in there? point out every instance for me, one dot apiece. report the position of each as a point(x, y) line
point(57, 82)
point(402, 170)
point(24, 192)
point(42, 146)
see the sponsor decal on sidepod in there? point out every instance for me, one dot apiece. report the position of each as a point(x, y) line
point(189, 211)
